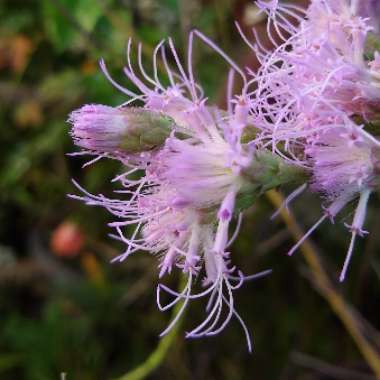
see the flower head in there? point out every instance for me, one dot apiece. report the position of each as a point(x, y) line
point(186, 166)
point(345, 168)
point(319, 71)
point(342, 160)
point(370, 9)
point(312, 92)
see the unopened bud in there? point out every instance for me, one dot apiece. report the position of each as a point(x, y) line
point(119, 130)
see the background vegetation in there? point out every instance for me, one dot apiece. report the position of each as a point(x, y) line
point(64, 308)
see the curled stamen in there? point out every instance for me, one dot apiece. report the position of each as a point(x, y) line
point(182, 309)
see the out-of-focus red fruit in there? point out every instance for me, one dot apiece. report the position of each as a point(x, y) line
point(67, 240)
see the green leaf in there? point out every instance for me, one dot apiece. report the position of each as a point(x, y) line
point(58, 28)
point(27, 154)
point(61, 87)
point(88, 12)
point(68, 22)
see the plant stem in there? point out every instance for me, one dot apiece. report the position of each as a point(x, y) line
point(155, 359)
point(337, 303)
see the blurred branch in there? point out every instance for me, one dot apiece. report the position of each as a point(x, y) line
point(11, 92)
point(328, 369)
point(23, 272)
point(155, 359)
point(326, 288)
point(370, 331)
point(138, 288)
point(272, 243)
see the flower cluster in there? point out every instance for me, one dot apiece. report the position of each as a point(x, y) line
point(194, 167)
point(317, 92)
point(303, 117)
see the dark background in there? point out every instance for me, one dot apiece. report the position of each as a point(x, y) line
point(64, 307)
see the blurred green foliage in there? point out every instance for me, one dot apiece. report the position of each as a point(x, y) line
point(80, 315)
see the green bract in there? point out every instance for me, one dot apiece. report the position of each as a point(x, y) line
point(145, 130)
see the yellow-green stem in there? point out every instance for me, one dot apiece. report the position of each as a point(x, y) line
point(326, 288)
point(155, 359)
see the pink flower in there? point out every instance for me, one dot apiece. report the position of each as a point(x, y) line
point(317, 72)
point(345, 163)
point(307, 93)
point(370, 9)
point(193, 166)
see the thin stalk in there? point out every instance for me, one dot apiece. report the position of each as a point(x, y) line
point(337, 303)
point(155, 359)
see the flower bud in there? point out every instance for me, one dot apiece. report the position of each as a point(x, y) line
point(119, 130)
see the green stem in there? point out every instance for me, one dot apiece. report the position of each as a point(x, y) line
point(326, 288)
point(155, 359)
